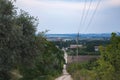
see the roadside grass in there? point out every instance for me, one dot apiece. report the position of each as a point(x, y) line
point(82, 71)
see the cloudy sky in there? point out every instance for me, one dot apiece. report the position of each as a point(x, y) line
point(72, 16)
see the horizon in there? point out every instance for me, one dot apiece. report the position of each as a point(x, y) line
point(84, 33)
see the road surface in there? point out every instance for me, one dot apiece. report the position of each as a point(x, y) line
point(66, 75)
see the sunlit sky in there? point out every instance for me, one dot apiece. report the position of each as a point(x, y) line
point(65, 16)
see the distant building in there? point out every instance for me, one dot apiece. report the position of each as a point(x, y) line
point(75, 46)
point(67, 40)
point(96, 48)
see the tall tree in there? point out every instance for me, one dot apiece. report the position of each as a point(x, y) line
point(22, 49)
point(6, 27)
point(28, 27)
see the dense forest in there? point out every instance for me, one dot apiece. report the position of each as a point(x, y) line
point(25, 55)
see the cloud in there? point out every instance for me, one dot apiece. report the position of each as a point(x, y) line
point(111, 3)
point(68, 5)
point(114, 2)
point(56, 4)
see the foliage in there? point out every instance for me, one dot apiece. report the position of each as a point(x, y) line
point(82, 71)
point(107, 67)
point(6, 38)
point(110, 60)
point(48, 62)
point(87, 49)
point(22, 51)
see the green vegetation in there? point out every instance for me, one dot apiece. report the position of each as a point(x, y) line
point(82, 71)
point(109, 63)
point(88, 46)
point(25, 55)
point(107, 67)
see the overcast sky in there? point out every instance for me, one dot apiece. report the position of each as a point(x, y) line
point(65, 16)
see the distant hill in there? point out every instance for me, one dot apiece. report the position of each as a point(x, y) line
point(81, 36)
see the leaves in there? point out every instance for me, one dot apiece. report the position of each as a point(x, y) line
point(22, 49)
point(109, 62)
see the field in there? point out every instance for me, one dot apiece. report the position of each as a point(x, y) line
point(82, 58)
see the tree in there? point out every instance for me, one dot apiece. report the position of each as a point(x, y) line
point(109, 63)
point(6, 33)
point(48, 63)
point(22, 50)
point(28, 25)
point(17, 39)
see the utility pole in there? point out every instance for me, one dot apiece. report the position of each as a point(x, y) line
point(77, 44)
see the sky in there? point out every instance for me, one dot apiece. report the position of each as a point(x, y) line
point(73, 16)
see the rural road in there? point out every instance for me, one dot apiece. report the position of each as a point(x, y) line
point(66, 75)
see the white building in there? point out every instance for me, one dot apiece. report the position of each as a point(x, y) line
point(96, 48)
point(75, 46)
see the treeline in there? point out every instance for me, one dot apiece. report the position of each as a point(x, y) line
point(88, 43)
point(107, 67)
point(25, 55)
point(88, 46)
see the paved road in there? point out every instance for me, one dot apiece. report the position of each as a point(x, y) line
point(65, 75)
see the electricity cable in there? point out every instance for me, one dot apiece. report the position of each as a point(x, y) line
point(84, 21)
point(91, 19)
point(82, 17)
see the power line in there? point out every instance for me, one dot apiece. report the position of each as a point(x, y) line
point(87, 12)
point(84, 7)
point(77, 41)
point(93, 15)
point(83, 13)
